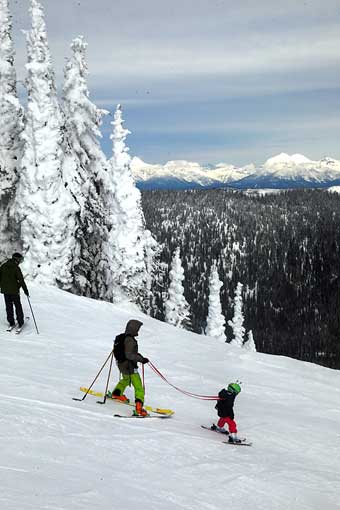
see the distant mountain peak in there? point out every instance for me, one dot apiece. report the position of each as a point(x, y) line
point(282, 170)
point(286, 159)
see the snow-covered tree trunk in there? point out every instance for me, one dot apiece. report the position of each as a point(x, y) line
point(45, 207)
point(82, 121)
point(237, 322)
point(128, 237)
point(249, 344)
point(11, 125)
point(215, 321)
point(177, 310)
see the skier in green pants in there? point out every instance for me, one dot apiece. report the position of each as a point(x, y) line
point(127, 356)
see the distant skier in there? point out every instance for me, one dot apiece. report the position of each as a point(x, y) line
point(127, 357)
point(11, 280)
point(225, 410)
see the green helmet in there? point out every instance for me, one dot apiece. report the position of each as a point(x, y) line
point(234, 388)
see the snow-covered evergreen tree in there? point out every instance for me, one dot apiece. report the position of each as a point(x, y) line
point(215, 320)
point(128, 235)
point(11, 125)
point(249, 344)
point(45, 207)
point(177, 310)
point(237, 321)
point(82, 121)
point(151, 253)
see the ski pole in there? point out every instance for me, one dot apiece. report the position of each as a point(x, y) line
point(107, 382)
point(94, 380)
point(143, 378)
point(35, 323)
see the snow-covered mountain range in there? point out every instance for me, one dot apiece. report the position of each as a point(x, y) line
point(57, 453)
point(281, 171)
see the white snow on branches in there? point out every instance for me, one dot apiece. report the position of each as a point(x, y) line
point(237, 321)
point(215, 321)
point(177, 311)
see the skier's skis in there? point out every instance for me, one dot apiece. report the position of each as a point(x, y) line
point(18, 328)
point(224, 432)
point(91, 392)
point(165, 412)
point(142, 417)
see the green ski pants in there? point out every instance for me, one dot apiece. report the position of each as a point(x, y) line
point(136, 382)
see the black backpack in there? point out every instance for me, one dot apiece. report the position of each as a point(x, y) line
point(119, 348)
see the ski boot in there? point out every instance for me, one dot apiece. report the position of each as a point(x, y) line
point(139, 411)
point(219, 429)
point(115, 395)
point(234, 439)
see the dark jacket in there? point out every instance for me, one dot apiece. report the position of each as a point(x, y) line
point(11, 278)
point(132, 355)
point(225, 407)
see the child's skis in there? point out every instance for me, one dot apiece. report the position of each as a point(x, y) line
point(215, 429)
point(242, 443)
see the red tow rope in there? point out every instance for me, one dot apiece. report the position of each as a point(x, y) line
point(194, 395)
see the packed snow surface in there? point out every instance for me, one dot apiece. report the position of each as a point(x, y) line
point(59, 454)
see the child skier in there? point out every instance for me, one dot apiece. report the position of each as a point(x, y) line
point(225, 411)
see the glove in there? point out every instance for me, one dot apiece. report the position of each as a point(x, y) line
point(27, 293)
point(145, 360)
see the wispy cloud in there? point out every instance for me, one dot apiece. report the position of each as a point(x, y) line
point(205, 68)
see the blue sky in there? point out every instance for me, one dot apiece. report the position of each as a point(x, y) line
point(206, 80)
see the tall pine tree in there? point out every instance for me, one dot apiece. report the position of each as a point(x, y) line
point(177, 310)
point(82, 121)
point(152, 266)
point(215, 321)
point(45, 207)
point(11, 125)
point(127, 235)
point(237, 321)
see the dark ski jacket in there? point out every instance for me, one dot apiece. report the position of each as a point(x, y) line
point(11, 278)
point(225, 407)
point(128, 366)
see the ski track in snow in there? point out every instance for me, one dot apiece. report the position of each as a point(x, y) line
point(60, 454)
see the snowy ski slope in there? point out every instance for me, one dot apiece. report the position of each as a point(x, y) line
point(59, 454)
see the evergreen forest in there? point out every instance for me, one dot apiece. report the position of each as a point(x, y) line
point(283, 247)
